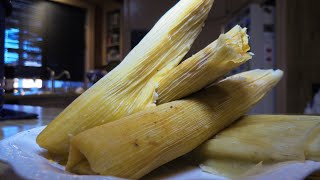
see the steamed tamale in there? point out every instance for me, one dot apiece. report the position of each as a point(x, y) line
point(135, 145)
point(262, 140)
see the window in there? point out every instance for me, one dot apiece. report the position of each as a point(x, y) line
point(23, 35)
point(41, 34)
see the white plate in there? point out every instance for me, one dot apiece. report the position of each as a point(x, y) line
point(26, 158)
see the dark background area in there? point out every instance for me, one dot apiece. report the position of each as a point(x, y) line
point(64, 39)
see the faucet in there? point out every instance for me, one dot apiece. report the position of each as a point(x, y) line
point(53, 77)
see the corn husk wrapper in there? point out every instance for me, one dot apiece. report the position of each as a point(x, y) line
point(133, 146)
point(230, 50)
point(257, 142)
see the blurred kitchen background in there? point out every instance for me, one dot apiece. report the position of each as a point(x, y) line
point(56, 49)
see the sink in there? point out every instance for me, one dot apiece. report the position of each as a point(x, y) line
point(44, 92)
point(49, 92)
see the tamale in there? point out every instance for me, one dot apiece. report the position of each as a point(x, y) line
point(135, 145)
point(265, 139)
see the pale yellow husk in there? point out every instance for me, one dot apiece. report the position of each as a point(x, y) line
point(130, 87)
point(230, 50)
point(134, 145)
point(263, 140)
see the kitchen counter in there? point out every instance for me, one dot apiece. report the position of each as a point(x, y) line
point(58, 100)
point(11, 127)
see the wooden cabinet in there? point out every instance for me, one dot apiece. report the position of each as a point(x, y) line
point(113, 36)
point(109, 33)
